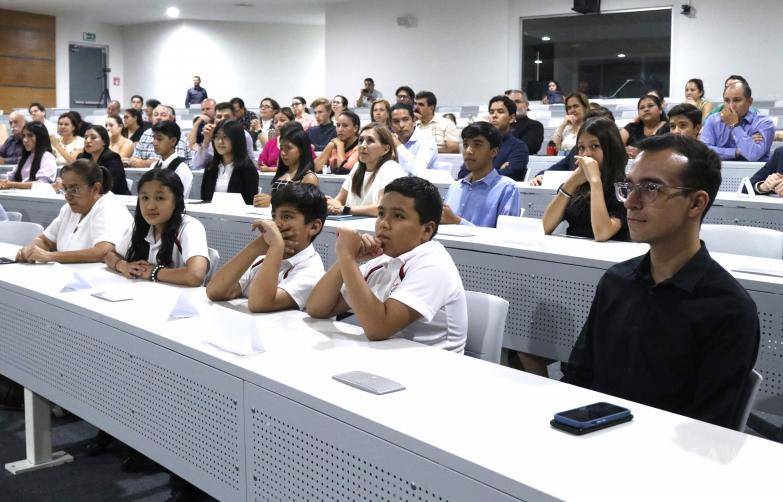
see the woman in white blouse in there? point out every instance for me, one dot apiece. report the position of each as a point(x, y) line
point(577, 105)
point(89, 225)
point(376, 168)
point(165, 244)
point(37, 162)
point(67, 146)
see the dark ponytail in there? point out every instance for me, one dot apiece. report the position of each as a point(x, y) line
point(90, 172)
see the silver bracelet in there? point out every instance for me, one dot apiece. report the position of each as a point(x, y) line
point(562, 192)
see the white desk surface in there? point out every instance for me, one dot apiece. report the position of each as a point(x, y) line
point(454, 406)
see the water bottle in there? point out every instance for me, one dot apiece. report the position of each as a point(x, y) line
point(551, 148)
point(327, 169)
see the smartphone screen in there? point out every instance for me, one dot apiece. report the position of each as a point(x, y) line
point(586, 416)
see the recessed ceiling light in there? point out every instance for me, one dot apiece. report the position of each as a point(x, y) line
point(621, 55)
point(537, 61)
point(546, 38)
point(172, 12)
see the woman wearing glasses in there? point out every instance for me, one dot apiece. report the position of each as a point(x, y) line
point(299, 107)
point(587, 200)
point(89, 225)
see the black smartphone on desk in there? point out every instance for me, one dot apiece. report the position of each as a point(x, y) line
point(6, 261)
point(592, 417)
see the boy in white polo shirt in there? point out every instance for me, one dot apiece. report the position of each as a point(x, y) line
point(290, 266)
point(410, 286)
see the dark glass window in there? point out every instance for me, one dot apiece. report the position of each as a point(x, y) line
point(619, 55)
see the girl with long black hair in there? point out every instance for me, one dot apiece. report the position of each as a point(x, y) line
point(230, 170)
point(165, 244)
point(37, 162)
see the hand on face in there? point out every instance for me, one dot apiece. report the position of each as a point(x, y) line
point(590, 168)
point(262, 200)
point(729, 116)
point(271, 233)
point(361, 247)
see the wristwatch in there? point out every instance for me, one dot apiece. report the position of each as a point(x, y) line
point(346, 210)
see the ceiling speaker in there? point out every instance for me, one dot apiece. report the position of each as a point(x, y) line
point(587, 6)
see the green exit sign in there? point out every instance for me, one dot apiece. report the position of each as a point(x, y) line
point(88, 37)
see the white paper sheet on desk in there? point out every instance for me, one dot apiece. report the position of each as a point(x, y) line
point(42, 189)
point(228, 200)
point(237, 334)
point(456, 231)
point(759, 271)
point(77, 282)
point(263, 212)
point(183, 308)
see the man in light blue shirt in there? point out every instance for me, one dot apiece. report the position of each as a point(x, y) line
point(416, 149)
point(484, 194)
point(730, 132)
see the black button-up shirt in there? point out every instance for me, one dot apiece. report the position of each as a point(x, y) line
point(686, 345)
point(195, 95)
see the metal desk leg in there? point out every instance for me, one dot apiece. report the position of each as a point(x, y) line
point(38, 437)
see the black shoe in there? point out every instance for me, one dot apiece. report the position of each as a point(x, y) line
point(99, 444)
point(136, 462)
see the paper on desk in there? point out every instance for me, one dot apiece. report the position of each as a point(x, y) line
point(228, 200)
point(183, 308)
point(42, 189)
point(759, 271)
point(456, 230)
point(76, 282)
point(237, 334)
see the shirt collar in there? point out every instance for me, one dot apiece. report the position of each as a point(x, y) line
point(750, 116)
point(169, 160)
point(488, 180)
point(150, 238)
point(301, 256)
point(687, 278)
point(415, 136)
point(403, 258)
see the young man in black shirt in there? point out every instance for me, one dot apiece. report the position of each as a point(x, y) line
point(671, 329)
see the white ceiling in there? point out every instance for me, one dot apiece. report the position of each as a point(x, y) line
point(125, 12)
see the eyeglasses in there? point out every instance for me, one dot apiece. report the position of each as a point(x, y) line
point(266, 107)
point(296, 104)
point(73, 191)
point(647, 192)
point(220, 138)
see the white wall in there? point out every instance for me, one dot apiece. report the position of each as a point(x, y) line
point(459, 50)
point(70, 30)
point(249, 60)
point(466, 51)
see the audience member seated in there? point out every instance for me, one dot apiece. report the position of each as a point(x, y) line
point(137, 102)
point(36, 163)
point(38, 114)
point(230, 169)
point(443, 130)
point(339, 104)
point(553, 95)
point(133, 125)
point(769, 179)
point(144, 154)
point(67, 144)
point(119, 144)
point(164, 244)
point(113, 108)
point(410, 287)
point(376, 168)
point(587, 200)
point(149, 108)
point(81, 124)
point(368, 94)
point(405, 95)
point(324, 131)
point(381, 112)
point(289, 266)
point(694, 95)
point(207, 116)
point(267, 160)
point(242, 114)
point(565, 135)
point(651, 120)
point(295, 164)
point(302, 113)
point(96, 148)
point(730, 132)
point(568, 163)
point(530, 131)
point(416, 148)
point(730, 80)
point(90, 223)
point(685, 120)
point(341, 153)
point(512, 157)
point(11, 149)
point(265, 123)
point(483, 195)
point(670, 329)
point(196, 94)
point(166, 136)
point(203, 154)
